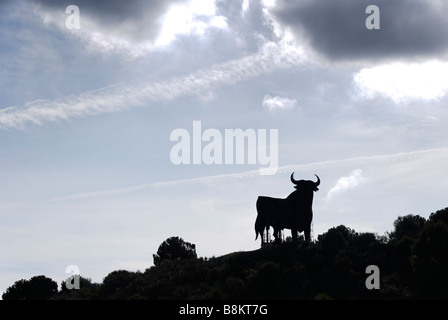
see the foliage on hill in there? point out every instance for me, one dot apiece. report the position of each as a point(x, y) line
point(412, 260)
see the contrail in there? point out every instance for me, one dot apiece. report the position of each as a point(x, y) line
point(121, 97)
point(313, 167)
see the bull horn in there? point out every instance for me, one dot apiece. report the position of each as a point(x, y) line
point(318, 180)
point(292, 179)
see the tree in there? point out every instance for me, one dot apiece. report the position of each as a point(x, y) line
point(174, 248)
point(87, 290)
point(440, 215)
point(119, 284)
point(430, 261)
point(407, 226)
point(402, 240)
point(335, 239)
point(37, 288)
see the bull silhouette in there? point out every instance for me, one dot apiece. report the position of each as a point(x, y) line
point(294, 212)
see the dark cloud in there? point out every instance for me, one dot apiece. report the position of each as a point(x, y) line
point(114, 10)
point(337, 29)
point(140, 17)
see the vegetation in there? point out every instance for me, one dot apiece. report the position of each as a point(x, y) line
point(174, 248)
point(37, 288)
point(412, 260)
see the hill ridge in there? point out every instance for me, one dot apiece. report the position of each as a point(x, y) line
point(411, 262)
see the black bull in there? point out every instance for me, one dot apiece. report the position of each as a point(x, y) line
point(295, 212)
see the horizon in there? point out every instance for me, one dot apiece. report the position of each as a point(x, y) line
point(123, 124)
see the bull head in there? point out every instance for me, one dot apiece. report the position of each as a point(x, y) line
point(298, 182)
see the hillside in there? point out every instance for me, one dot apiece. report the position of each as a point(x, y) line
point(412, 261)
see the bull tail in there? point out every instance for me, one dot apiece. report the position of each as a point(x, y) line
point(258, 227)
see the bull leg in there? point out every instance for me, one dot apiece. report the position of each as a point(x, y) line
point(294, 235)
point(277, 234)
point(307, 232)
point(264, 235)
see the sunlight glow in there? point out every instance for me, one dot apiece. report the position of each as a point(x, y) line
point(194, 17)
point(402, 82)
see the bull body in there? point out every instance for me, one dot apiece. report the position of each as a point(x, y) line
point(294, 212)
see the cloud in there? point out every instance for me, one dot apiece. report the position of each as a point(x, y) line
point(402, 82)
point(345, 183)
point(195, 17)
point(134, 27)
point(278, 103)
point(121, 97)
point(337, 29)
point(137, 19)
point(244, 7)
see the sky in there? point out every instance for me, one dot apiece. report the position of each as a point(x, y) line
point(93, 170)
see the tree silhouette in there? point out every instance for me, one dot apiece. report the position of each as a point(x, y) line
point(37, 288)
point(402, 241)
point(440, 215)
point(174, 248)
point(87, 290)
point(335, 239)
point(407, 226)
point(430, 260)
point(119, 284)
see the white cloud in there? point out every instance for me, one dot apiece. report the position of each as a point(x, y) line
point(278, 103)
point(194, 17)
point(244, 7)
point(268, 3)
point(345, 183)
point(122, 97)
point(402, 82)
point(141, 35)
